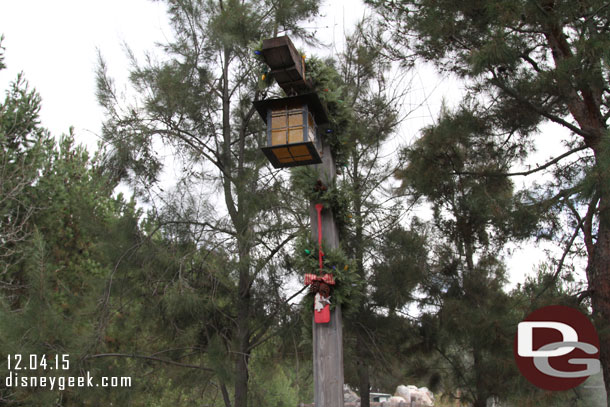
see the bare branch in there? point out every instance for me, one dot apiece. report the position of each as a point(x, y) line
point(136, 356)
point(523, 173)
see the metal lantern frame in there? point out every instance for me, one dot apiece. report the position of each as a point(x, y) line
point(302, 143)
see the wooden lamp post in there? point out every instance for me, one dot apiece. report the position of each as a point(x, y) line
point(293, 140)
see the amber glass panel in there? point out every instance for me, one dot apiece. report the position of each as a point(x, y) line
point(301, 150)
point(292, 132)
point(281, 153)
point(295, 135)
point(278, 121)
point(278, 137)
point(287, 125)
point(303, 158)
point(295, 118)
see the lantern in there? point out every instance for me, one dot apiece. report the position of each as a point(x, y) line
point(292, 129)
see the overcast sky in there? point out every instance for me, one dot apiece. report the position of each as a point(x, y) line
point(55, 44)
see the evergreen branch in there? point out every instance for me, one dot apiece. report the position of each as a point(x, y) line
point(522, 173)
point(212, 156)
point(456, 369)
point(512, 93)
point(385, 176)
point(270, 256)
point(595, 12)
point(294, 295)
point(104, 317)
point(175, 349)
point(260, 337)
point(372, 342)
point(587, 227)
point(242, 137)
point(533, 63)
point(540, 8)
point(564, 193)
point(194, 223)
point(135, 356)
point(562, 260)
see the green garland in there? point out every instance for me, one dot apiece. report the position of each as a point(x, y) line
point(265, 78)
point(347, 286)
point(328, 84)
point(306, 179)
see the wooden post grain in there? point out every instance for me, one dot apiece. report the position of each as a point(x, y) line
point(327, 338)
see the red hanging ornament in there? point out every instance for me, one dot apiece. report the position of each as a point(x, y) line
point(320, 284)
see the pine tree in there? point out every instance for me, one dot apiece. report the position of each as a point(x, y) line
point(51, 291)
point(198, 101)
point(24, 146)
point(472, 218)
point(374, 212)
point(537, 61)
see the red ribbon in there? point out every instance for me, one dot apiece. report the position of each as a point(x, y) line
point(326, 278)
point(319, 208)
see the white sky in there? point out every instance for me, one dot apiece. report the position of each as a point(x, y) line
point(55, 44)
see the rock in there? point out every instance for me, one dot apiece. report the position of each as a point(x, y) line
point(414, 396)
point(404, 392)
point(349, 396)
point(427, 396)
point(396, 401)
point(428, 392)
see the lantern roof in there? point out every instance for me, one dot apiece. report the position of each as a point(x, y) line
point(287, 65)
point(312, 101)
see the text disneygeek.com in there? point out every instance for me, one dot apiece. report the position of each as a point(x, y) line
point(61, 382)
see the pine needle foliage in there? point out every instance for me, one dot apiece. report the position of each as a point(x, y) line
point(533, 62)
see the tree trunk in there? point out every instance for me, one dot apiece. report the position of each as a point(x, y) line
point(480, 390)
point(598, 274)
point(225, 395)
point(363, 374)
point(358, 244)
point(479, 403)
point(243, 339)
point(584, 104)
point(241, 363)
point(236, 213)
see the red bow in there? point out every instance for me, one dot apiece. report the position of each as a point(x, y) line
point(327, 278)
